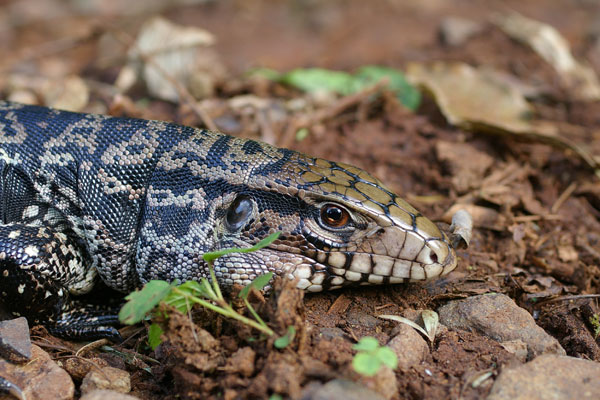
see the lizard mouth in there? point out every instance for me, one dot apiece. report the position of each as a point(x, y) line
point(335, 269)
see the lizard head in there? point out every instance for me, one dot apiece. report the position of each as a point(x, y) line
point(339, 226)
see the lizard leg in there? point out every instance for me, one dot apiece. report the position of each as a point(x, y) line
point(40, 268)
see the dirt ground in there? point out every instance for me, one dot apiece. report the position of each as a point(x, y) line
point(536, 240)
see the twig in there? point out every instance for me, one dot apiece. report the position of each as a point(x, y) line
point(321, 115)
point(571, 297)
point(532, 218)
point(91, 346)
point(563, 197)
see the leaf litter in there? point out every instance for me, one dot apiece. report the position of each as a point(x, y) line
point(535, 210)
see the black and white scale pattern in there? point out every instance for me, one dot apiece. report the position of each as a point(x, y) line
point(86, 197)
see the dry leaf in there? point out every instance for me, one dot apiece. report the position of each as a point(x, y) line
point(549, 44)
point(478, 100)
point(466, 163)
point(173, 58)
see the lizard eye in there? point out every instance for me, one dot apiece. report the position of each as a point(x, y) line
point(239, 212)
point(334, 216)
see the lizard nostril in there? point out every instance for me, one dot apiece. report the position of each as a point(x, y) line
point(434, 258)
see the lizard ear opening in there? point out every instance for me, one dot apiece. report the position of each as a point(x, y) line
point(239, 212)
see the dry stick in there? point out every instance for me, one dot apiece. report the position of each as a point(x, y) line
point(323, 114)
point(91, 346)
point(183, 93)
point(136, 354)
point(537, 217)
point(572, 297)
point(563, 197)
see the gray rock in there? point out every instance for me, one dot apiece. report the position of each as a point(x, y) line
point(15, 344)
point(454, 31)
point(355, 317)
point(549, 377)
point(103, 394)
point(339, 389)
point(41, 378)
point(498, 317)
point(106, 378)
point(330, 333)
point(409, 346)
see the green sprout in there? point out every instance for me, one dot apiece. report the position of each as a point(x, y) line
point(371, 356)
point(595, 321)
point(207, 294)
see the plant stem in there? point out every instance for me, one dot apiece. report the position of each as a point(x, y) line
point(211, 270)
point(227, 311)
point(253, 312)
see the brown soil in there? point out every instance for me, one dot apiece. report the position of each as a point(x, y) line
point(539, 252)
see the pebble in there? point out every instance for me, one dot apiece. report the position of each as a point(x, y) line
point(106, 378)
point(549, 376)
point(409, 346)
point(331, 333)
point(339, 389)
point(356, 317)
point(498, 317)
point(103, 394)
point(383, 382)
point(41, 378)
point(15, 344)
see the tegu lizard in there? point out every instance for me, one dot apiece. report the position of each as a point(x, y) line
point(86, 197)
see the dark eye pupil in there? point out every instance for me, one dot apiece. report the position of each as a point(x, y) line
point(334, 216)
point(238, 212)
point(334, 213)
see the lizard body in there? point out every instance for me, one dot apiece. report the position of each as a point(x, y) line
point(86, 197)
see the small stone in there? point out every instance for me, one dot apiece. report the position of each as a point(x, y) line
point(549, 377)
point(15, 344)
point(103, 394)
point(355, 317)
point(78, 368)
point(498, 317)
point(106, 378)
point(516, 347)
point(41, 378)
point(454, 31)
point(383, 382)
point(330, 333)
point(339, 389)
point(409, 346)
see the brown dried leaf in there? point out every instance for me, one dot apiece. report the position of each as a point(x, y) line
point(549, 44)
point(477, 100)
point(173, 58)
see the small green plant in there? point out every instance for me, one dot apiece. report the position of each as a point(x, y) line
point(371, 356)
point(595, 321)
point(344, 83)
point(208, 294)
